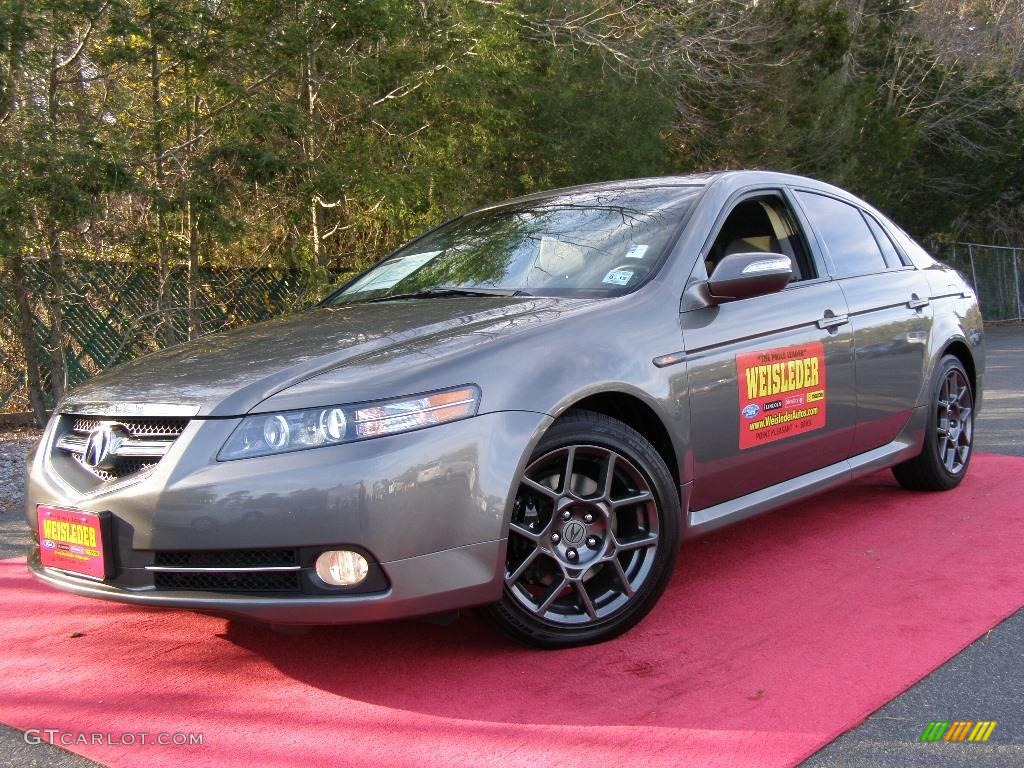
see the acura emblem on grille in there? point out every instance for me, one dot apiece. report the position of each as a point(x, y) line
point(100, 447)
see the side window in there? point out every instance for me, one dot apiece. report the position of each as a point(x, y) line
point(853, 248)
point(916, 255)
point(892, 256)
point(762, 224)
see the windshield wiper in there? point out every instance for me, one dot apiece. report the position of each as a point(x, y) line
point(431, 293)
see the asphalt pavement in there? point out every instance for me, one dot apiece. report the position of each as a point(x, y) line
point(985, 681)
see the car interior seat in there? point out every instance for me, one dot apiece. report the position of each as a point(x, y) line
point(747, 229)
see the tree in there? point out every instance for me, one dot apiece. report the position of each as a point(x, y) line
point(49, 116)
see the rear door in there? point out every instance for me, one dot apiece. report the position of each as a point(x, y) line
point(889, 313)
point(770, 377)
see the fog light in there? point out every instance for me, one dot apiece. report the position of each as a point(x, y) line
point(342, 568)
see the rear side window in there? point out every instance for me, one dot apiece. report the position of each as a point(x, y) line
point(914, 253)
point(892, 256)
point(853, 248)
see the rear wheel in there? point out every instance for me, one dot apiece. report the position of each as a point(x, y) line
point(949, 439)
point(593, 536)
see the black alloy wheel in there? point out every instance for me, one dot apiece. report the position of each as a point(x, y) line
point(949, 439)
point(593, 535)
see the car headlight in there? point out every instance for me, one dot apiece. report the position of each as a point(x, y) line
point(267, 433)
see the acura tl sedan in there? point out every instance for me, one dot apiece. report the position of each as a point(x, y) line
point(526, 409)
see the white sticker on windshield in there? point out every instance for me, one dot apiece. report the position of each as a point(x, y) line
point(390, 272)
point(618, 277)
point(636, 251)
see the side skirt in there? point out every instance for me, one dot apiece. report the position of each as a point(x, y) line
point(907, 445)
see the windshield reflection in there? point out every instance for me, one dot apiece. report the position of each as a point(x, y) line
point(581, 244)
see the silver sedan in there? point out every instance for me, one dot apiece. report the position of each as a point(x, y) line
point(526, 409)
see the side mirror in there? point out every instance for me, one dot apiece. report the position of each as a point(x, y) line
point(743, 275)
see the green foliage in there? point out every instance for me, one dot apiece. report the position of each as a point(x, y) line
point(324, 132)
point(180, 136)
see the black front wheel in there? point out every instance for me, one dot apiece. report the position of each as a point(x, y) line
point(949, 439)
point(593, 536)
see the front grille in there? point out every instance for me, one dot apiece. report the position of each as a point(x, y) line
point(123, 468)
point(102, 474)
point(141, 442)
point(273, 581)
point(231, 558)
point(136, 427)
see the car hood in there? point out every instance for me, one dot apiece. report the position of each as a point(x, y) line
point(226, 374)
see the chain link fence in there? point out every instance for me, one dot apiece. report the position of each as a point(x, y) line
point(994, 271)
point(111, 313)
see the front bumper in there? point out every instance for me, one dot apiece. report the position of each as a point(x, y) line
point(429, 508)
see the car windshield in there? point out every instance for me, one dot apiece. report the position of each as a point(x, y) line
point(578, 244)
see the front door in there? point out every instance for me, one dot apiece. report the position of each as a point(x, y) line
point(771, 378)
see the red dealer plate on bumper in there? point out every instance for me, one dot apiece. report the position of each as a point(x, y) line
point(73, 540)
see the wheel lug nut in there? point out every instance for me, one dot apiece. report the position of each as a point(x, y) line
point(571, 554)
point(588, 518)
point(592, 542)
point(566, 515)
point(555, 538)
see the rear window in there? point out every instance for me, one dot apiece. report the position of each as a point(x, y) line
point(918, 256)
point(892, 256)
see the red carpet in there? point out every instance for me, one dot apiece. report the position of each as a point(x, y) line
point(774, 637)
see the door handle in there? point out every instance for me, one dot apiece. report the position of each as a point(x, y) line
point(832, 320)
point(917, 302)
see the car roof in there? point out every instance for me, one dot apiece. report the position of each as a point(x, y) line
point(729, 179)
point(725, 184)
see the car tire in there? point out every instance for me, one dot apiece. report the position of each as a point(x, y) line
point(949, 437)
point(588, 558)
